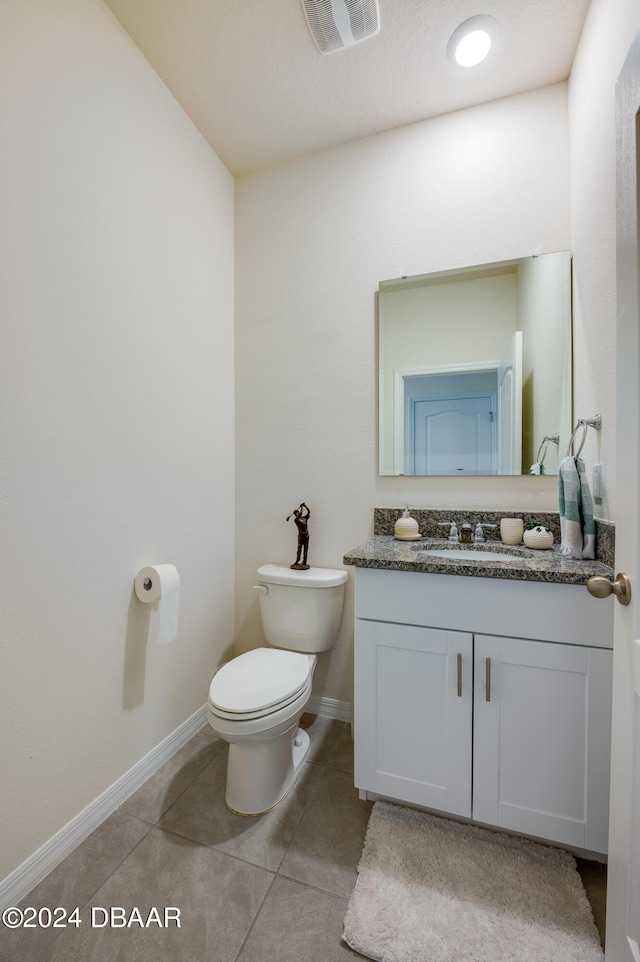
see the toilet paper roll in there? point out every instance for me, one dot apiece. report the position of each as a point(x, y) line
point(159, 586)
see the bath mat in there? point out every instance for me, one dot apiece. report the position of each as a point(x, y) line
point(433, 890)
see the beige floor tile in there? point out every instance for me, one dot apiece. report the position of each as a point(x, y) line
point(298, 924)
point(72, 882)
point(327, 845)
point(218, 898)
point(160, 791)
point(343, 758)
point(202, 815)
point(326, 736)
point(208, 730)
point(224, 886)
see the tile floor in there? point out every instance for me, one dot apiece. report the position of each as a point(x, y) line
point(248, 890)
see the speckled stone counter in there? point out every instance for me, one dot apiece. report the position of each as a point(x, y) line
point(430, 521)
point(385, 551)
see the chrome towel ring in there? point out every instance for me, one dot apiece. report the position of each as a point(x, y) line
point(584, 423)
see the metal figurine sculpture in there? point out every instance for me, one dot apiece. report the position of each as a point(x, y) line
point(302, 515)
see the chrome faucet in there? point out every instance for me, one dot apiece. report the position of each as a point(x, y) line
point(466, 533)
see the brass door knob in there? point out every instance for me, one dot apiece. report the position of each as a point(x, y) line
point(601, 587)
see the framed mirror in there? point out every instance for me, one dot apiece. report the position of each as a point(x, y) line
point(475, 373)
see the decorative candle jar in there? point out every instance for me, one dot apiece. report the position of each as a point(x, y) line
point(511, 530)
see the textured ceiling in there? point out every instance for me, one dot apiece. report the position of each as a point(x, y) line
point(249, 75)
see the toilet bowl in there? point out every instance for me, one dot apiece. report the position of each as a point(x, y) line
point(256, 700)
point(266, 747)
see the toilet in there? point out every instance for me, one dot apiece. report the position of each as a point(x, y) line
point(256, 700)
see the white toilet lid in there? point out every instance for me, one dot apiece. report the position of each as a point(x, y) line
point(259, 680)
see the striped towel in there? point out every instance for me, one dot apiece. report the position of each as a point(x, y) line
point(577, 526)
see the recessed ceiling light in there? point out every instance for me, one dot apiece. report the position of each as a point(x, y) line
point(471, 42)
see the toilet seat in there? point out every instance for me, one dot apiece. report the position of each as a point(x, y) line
point(259, 682)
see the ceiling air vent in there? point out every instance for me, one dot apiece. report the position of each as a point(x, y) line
point(338, 24)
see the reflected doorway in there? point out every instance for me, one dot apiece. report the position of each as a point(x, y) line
point(450, 424)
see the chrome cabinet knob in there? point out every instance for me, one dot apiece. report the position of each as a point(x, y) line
point(601, 587)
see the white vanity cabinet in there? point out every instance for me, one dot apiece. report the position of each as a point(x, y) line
point(485, 698)
point(413, 717)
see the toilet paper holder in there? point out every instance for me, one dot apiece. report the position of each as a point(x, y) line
point(159, 587)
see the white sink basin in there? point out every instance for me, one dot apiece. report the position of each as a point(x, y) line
point(471, 554)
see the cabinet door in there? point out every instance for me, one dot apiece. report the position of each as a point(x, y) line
point(413, 714)
point(541, 739)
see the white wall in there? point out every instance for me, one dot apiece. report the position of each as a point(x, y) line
point(313, 240)
point(116, 409)
point(606, 38)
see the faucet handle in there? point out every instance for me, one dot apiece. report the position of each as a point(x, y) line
point(453, 530)
point(478, 534)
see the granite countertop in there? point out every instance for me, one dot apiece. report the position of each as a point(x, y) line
point(385, 551)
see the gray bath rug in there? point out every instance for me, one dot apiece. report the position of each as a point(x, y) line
point(433, 890)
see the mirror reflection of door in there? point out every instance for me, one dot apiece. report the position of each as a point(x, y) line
point(453, 435)
point(449, 422)
point(465, 422)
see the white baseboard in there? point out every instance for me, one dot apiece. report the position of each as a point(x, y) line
point(329, 708)
point(37, 866)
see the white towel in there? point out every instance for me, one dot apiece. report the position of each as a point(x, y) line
point(577, 527)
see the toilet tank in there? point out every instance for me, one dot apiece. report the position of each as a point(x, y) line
point(301, 610)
